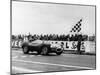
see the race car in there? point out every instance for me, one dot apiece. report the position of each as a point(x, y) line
point(41, 47)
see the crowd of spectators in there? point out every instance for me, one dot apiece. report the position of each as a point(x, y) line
point(54, 37)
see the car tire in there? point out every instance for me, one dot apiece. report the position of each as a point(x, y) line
point(44, 50)
point(58, 53)
point(25, 50)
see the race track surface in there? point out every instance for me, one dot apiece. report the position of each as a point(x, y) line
point(33, 63)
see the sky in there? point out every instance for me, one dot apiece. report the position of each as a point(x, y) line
point(44, 18)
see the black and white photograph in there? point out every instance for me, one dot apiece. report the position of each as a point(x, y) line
point(52, 37)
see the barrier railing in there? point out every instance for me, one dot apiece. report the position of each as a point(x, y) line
point(86, 46)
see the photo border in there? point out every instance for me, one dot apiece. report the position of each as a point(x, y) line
point(58, 4)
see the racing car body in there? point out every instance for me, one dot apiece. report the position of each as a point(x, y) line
point(41, 47)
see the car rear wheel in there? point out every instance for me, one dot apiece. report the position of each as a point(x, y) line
point(25, 50)
point(44, 50)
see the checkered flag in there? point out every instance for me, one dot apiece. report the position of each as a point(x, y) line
point(77, 27)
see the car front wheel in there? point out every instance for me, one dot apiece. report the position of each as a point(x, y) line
point(44, 50)
point(58, 53)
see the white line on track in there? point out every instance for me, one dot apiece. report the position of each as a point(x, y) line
point(18, 51)
point(23, 69)
point(31, 56)
point(78, 67)
point(23, 56)
point(15, 57)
